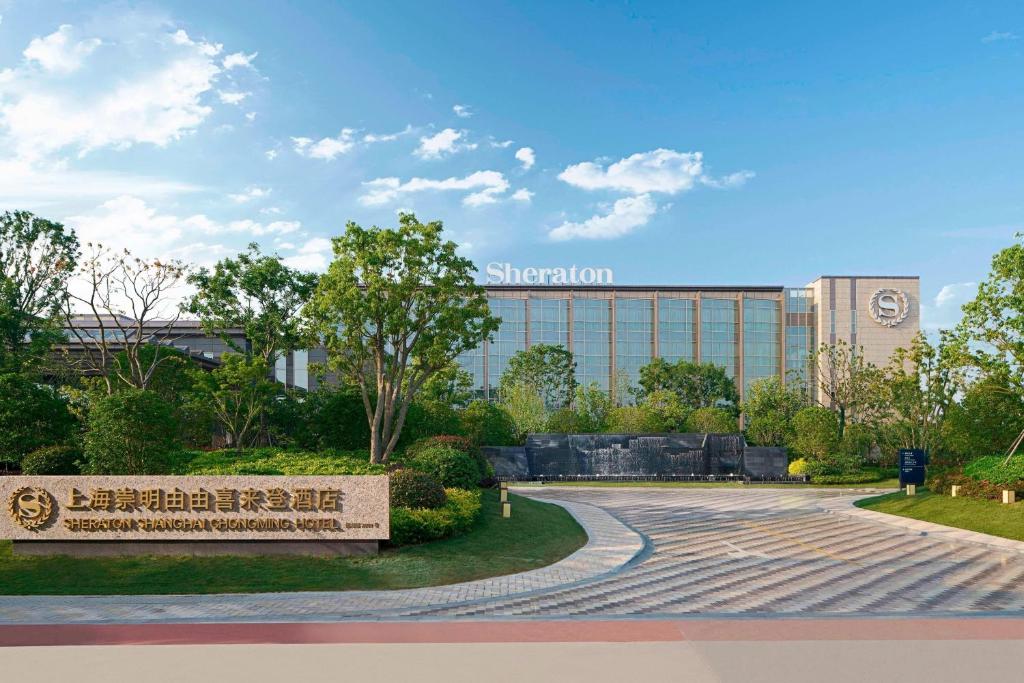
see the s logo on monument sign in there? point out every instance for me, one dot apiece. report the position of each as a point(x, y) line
point(30, 507)
point(889, 307)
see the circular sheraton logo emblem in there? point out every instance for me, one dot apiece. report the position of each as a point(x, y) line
point(889, 307)
point(30, 506)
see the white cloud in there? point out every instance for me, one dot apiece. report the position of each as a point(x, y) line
point(238, 59)
point(441, 144)
point(500, 144)
point(488, 185)
point(626, 215)
point(526, 156)
point(370, 138)
point(522, 195)
point(313, 255)
point(661, 170)
point(22, 182)
point(228, 97)
point(271, 154)
point(148, 88)
point(60, 52)
point(462, 111)
point(250, 193)
point(944, 310)
point(325, 148)
point(271, 210)
point(997, 36)
point(250, 115)
point(252, 227)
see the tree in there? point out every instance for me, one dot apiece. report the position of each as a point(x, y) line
point(849, 385)
point(257, 293)
point(395, 307)
point(630, 420)
point(31, 416)
point(711, 421)
point(593, 404)
point(815, 432)
point(131, 432)
point(548, 368)
point(987, 418)
point(128, 304)
point(665, 411)
point(919, 388)
point(526, 407)
point(488, 424)
point(699, 385)
point(769, 411)
point(237, 392)
point(451, 386)
point(36, 258)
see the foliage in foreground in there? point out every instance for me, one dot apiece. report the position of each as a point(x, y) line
point(419, 525)
point(130, 432)
point(276, 461)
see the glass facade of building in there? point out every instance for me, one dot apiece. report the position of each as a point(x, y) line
point(634, 337)
point(761, 319)
point(591, 341)
point(613, 333)
point(718, 323)
point(675, 329)
point(510, 338)
point(549, 321)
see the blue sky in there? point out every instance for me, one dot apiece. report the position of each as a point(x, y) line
point(689, 143)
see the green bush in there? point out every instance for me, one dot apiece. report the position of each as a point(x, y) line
point(991, 468)
point(276, 461)
point(833, 465)
point(564, 421)
point(31, 416)
point(488, 424)
point(815, 432)
point(415, 489)
point(940, 483)
point(798, 467)
point(459, 443)
point(419, 525)
point(451, 467)
point(865, 476)
point(50, 460)
point(630, 420)
point(130, 432)
point(712, 421)
point(426, 419)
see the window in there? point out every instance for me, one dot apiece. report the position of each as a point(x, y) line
point(634, 337)
point(591, 341)
point(549, 321)
point(675, 329)
point(760, 339)
point(718, 333)
point(510, 338)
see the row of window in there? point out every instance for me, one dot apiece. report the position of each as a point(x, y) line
point(633, 329)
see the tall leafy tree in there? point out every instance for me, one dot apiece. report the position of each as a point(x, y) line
point(769, 409)
point(236, 393)
point(395, 307)
point(699, 385)
point(849, 385)
point(257, 293)
point(918, 389)
point(37, 257)
point(548, 368)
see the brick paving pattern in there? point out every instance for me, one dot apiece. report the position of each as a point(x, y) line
point(709, 552)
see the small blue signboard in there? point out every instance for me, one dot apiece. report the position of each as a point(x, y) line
point(912, 463)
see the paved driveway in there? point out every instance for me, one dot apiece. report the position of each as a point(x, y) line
point(743, 551)
point(708, 551)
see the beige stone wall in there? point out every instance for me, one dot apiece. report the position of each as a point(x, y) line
point(850, 299)
point(232, 508)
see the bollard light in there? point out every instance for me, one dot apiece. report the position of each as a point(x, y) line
point(911, 489)
point(506, 509)
point(954, 490)
point(1009, 497)
point(504, 495)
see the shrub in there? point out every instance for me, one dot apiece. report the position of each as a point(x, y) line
point(563, 421)
point(419, 525)
point(276, 461)
point(865, 476)
point(487, 424)
point(798, 467)
point(31, 416)
point(630, 420)
point(451, 467)
point(969, 487)
point(991, 468)
point(815, 431)
point(130, 432)
point(834, 464)
point(414, 489)
point(711, 421)
point(50, 460)
point(459, 443)
point(428, 418)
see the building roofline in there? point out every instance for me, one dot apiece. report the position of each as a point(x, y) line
point(635, 288)
point(873, 277)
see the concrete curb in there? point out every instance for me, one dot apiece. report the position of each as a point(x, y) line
point(610, 547)
point(846, 507)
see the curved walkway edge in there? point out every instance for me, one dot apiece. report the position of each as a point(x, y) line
point(611, 546)
point(846, 507)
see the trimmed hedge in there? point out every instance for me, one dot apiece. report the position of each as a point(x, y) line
point(413, 489)
point(410, 526)
point(969, 487)
point(451, 467)
point(276, 461)
point(991, 468)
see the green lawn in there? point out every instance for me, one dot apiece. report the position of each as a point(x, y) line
point(986, 516)
point(881, 484)
point(536, 535)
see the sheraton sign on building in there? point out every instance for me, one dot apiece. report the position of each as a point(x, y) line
point(202, 508)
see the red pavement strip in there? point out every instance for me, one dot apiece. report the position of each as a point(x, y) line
point(515, 631)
